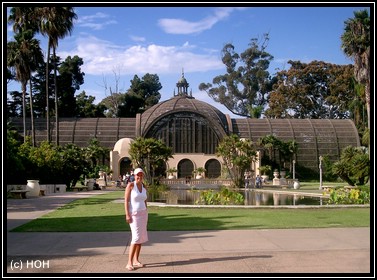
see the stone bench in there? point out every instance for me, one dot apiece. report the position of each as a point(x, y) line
point(348, 188)
point(328, 188)
point(79, 189)
point(21, 194)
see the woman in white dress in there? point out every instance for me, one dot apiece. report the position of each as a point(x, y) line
point(135, 206)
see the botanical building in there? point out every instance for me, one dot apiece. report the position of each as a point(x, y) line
point(194, 128)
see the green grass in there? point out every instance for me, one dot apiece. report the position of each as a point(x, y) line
point(307, 187)
point(105, 212)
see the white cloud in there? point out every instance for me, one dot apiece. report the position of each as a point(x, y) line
point(93, 21)
point(137, 38)
point(100, 57)
point(179, 26)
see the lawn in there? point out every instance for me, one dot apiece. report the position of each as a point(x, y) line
point(105, 212)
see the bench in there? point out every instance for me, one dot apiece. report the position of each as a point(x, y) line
point(328, 188)
point(79, 189)
point(21, 194)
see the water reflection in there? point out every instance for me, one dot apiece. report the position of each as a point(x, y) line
point(277, 198)
point(252, 197)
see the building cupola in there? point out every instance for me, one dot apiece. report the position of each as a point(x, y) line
point(182, 87)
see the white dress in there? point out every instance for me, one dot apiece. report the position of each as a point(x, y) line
point(139, 215)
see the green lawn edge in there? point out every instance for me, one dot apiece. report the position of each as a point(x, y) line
point(105, 213)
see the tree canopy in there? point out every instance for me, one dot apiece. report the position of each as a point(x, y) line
point(244, 88)
point(315, 90)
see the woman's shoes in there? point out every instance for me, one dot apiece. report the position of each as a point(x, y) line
point(138, 264)
point(130, 267)
point(135, 265)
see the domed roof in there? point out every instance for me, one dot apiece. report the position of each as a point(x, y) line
point(182, 80)
point(183, 104)
point(122, 144)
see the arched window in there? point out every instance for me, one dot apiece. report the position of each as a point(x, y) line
point(213, 168)
point(186, 132)
point(185, 168)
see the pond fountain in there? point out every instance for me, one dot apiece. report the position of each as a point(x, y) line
point(252, 197)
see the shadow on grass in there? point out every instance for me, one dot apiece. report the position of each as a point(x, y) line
point(114, 223)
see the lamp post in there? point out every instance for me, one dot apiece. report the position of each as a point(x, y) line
point(320, 172)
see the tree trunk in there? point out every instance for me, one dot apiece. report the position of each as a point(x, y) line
point(56, 101)
point(47, 94)
point(367, 99)
point(32, 114)
point(24, 107)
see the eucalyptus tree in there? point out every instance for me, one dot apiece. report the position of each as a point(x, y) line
point(356, 44)
point(55, 23)
point(244, 88)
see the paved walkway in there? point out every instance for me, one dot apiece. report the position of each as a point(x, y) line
point(229, 253)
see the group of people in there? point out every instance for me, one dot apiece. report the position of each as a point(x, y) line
point(258, 181)
point(125, 179)
point(128, 177)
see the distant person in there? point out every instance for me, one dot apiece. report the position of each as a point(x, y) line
point(258, 182)
point(135, 205)
point(132, 177)
point(247, 181)
point(124, 179)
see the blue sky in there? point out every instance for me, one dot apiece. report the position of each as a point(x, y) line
point(120, 42)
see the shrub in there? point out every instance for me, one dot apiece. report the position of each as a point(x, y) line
point(353, 196)
point(222, 197)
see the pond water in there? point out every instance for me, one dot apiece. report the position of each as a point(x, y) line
point(252, 197)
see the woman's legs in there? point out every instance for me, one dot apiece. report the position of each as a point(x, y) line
point(136, 255)
point(131, 255)
point(139, 234)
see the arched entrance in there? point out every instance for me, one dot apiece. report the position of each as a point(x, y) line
point(213, 168)
point(185, 168)
point(125, 165)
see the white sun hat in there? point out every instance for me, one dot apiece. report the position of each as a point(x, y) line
point(138, 170)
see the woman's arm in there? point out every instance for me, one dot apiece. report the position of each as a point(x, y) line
point(127, 201)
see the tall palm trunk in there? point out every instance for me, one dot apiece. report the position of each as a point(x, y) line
point(32, 114)
point(56, 100)
point(24, 107)
point(367, 102)
point(47, 92)
point(367, 99)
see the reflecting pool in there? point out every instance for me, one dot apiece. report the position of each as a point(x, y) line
point(252, 197)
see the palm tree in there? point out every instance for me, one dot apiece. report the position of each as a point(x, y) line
point(23, 56)
point(24, 24)
point(56, 23)
point(356, 44)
